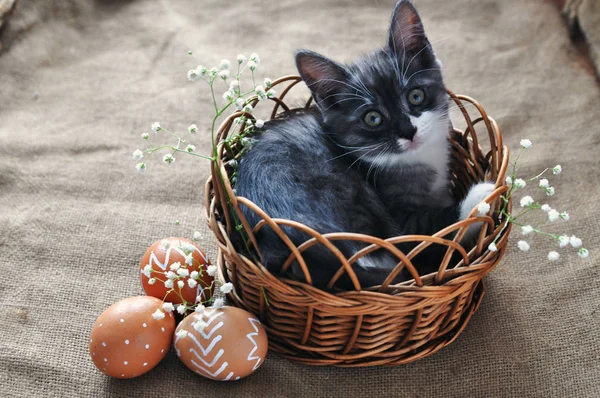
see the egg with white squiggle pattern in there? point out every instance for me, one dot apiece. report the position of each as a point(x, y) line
point(221, 344)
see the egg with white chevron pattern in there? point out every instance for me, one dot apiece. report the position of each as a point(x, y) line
point(221, 344)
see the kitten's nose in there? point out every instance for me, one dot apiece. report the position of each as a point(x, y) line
point(410, 133)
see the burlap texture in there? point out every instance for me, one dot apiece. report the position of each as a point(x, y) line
point(81, 80)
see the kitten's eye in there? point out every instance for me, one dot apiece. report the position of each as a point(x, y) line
point(416, 96)
point(373, 118)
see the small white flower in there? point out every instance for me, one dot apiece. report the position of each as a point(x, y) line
point(509, 180)
point(544, 183)
point(171, 275)
point(201, 70)
point(553, 256)
point(259, 89)
point(550, 191)
point(152, 281)
point(520, 183)
point(234, 85)
point(168, 159)
point(189, 259)
point(526, 201)
point(255, 58)
point(200, 308)
point(228, 95)
point(183, 272)
point(137, 154)
point(523, 246)
point(175, 266)
point(193, 75)
point(247, 108)
point(168, 307)
point(583, 252)
point(199, 326)
point(526, 143)
point(252, 65)
point(483, 208)
point(211, 270)
point(148, 268)
point(546, 208)
point(194, 275)
point(180, 284)
point(492, 247)
point(563, 240)
point(145, 136)
point(565, 216)
point(241, 58)
point(268, 83)
point(190, 148)
point(213, 72)
point(556, 169)
point(259, 123)
point(575, 241)
point(526, 229)
point(199, 298)
point(181, 309)
point(192, 128)
point(181, 333)
point(271, 93)
point(225, 64)
point(239, 103)
point(156, 127)
point(197, 235)
point(192, 283)
point(169, 284)
point(165, 245)
point(226, 288)
point(218, 303)
point(146, 273)
point(224, 74)
point(158, 314)
point(553, 215)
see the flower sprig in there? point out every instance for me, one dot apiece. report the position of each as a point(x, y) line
point(529, 204)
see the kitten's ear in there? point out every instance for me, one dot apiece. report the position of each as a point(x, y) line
point(406, 30)
point(323, 76)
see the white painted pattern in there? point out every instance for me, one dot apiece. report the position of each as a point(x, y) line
point(163, 265)
point(250, 336)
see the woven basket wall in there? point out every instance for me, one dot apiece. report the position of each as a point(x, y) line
point(383, 325)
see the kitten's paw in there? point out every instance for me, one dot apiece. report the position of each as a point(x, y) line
point(476, 195)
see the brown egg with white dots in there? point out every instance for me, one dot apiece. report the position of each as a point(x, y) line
point(131, 337)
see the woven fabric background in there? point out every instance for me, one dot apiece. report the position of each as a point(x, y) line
point(81, 80)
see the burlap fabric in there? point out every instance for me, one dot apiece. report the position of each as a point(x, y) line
point(80, 81)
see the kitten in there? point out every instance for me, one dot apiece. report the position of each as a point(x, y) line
point(371, 157)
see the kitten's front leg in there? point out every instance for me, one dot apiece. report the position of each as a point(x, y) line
point(476, 195)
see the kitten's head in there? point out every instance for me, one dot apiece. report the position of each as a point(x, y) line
point(389, 105)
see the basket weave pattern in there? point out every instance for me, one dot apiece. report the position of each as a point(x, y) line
point(382, 325)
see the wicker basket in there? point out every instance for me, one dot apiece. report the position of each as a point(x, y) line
point(383, 325)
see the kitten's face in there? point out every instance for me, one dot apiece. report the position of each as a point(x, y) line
point(388, 106)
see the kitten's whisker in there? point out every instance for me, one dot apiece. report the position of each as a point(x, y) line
point(365, 154)
point(420, 51)
point(419, 71)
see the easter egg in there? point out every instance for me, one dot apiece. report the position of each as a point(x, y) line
point(176, 268)
point(128, 340)
point(221, 344)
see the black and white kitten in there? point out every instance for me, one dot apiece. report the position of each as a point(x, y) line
point(371, 158)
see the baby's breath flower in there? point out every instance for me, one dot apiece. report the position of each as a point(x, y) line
point(526, 229)
point(553, 256)
point(550, 191)
point(181, 309)
point(225, 64)
point(183, 272)
point(509, 180)
point(145, 136)
point(483, 208)
point(199, 326)
point(168, 307)
point(192, 283)
point(583, 252)
point(234, 86)
point(202, 70)
point(152, 281)
point(226, 288)
point(268, 83)
point(239, 103)
point(271, 93)
point(546, 208)
point(169, 284)
point(544, 183)
point(194, 275)
point(228, 95)
point(259, 123)
point(180, 284)
point(241, 58)
point(247, 108)
point(213, 72)
point(565, 216)
point(188, 247)
point(197, 235)
point(556, 169)
point(211, 270)
point(255, 58)
point(192, 129)
point(526, 201)
point(181, 333)
point(563, 240)
point(193, 75)
point(492, 247)
point(140, 167)
point(190, 148)
point(525, 143)
point(137, 154)
point(168, 159)
point(218, 303)
point(148, 268)
point(156, 127)
point(175, 266)
point(224, 74)
point(252, 65)
point(553, 215)
point(171, 275)
point(200, 308)
point(575, 241)
point(520, 183)
point(158, 314)
point(523, 246)
point(189, 259)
